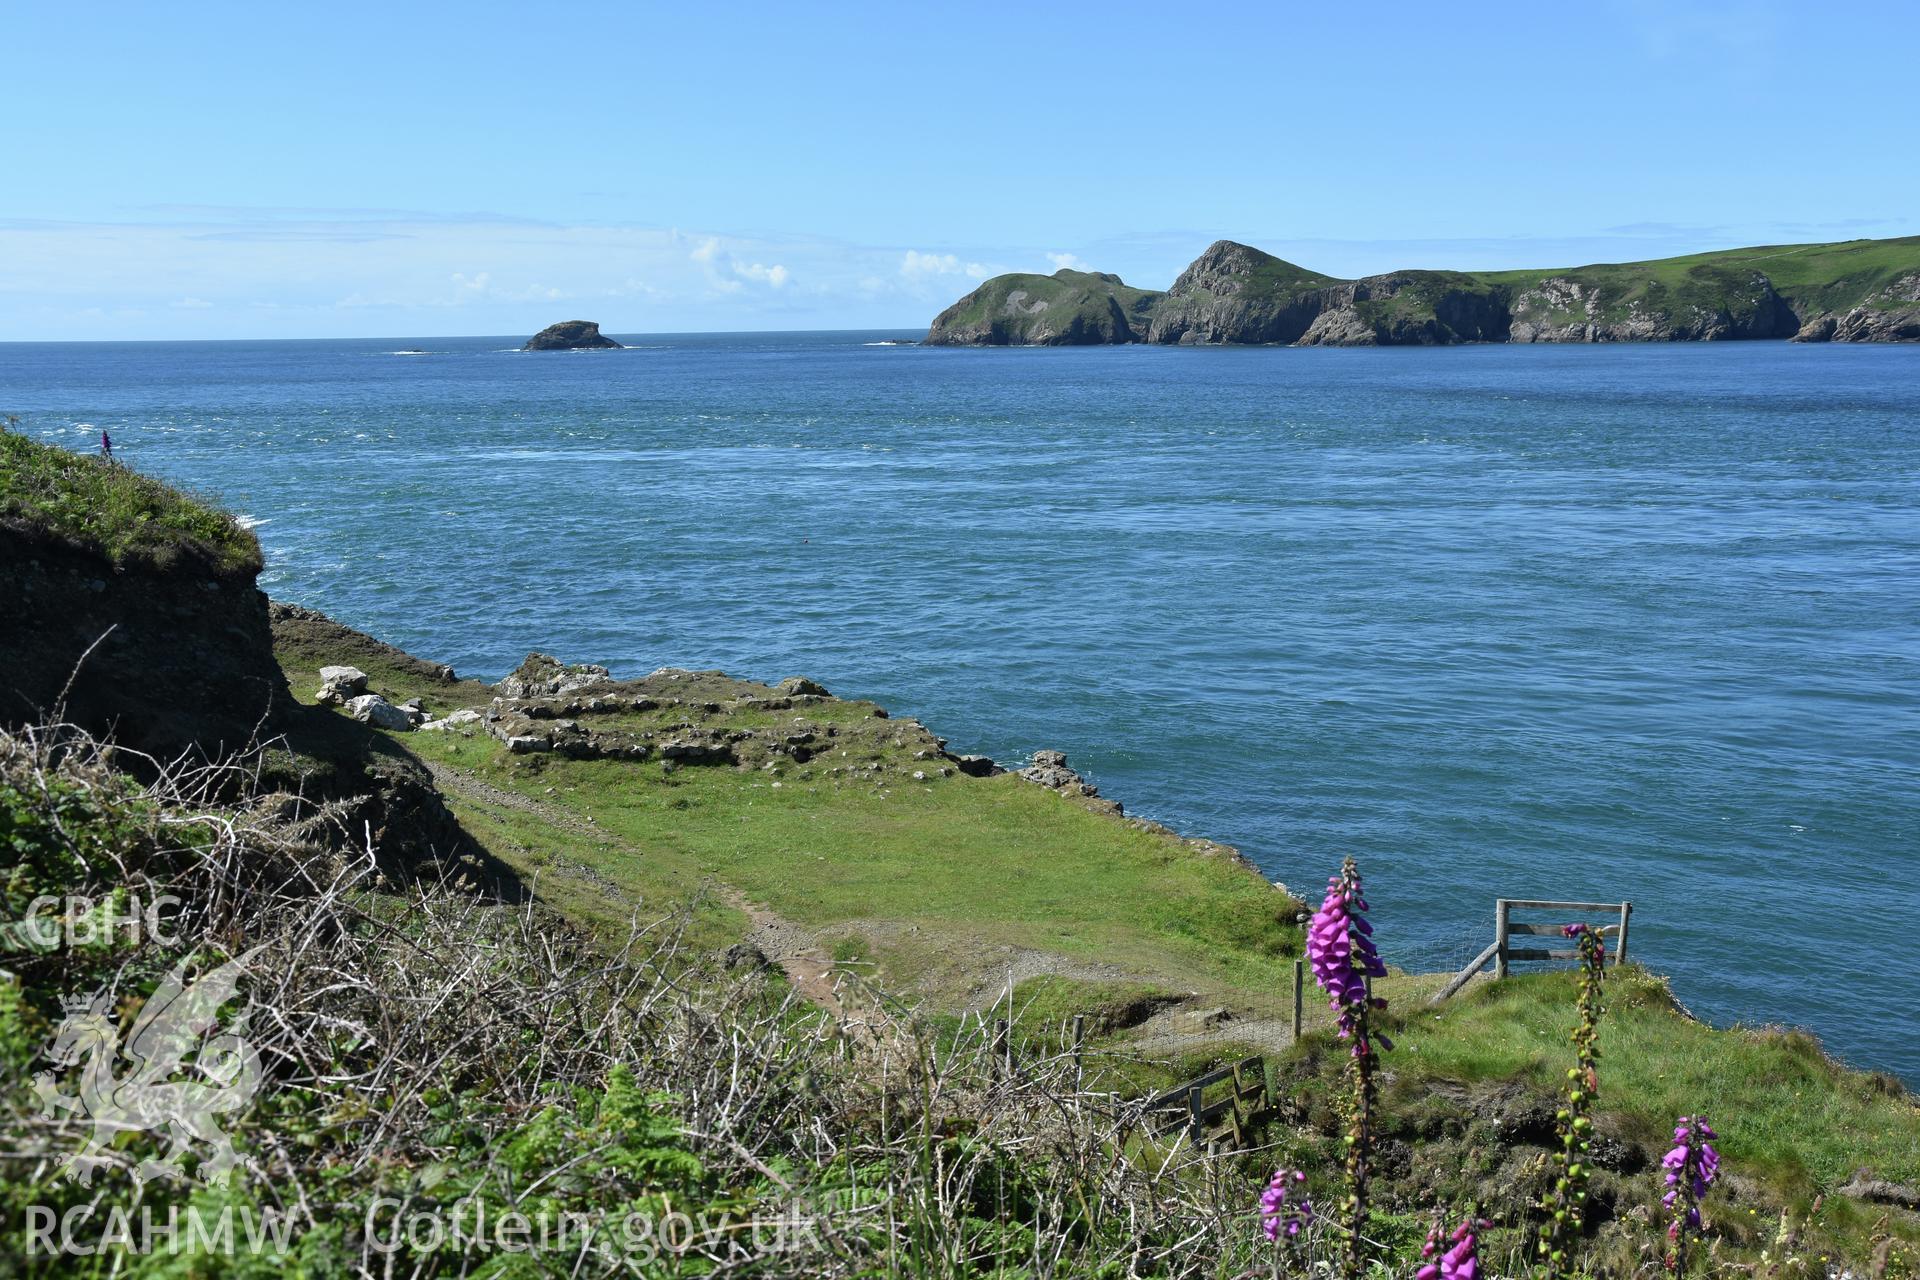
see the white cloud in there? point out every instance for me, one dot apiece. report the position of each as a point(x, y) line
point(775, 275)
point(726, 274)
point(192, 304)
point(917, 266)
point(481, 285)
point(1067, 261)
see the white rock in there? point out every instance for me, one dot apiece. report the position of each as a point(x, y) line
point(455, 720)
point(337, 684)
point(378, 712)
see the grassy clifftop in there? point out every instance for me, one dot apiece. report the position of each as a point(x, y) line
point(89, 504)
point(1820, 277)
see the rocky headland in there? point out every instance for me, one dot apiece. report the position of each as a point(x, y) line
point(1854, 291)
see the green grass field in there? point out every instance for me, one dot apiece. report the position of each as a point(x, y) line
point(976, 862)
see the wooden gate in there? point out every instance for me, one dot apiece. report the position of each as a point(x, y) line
point(1502, 952)
point(1230, 1114)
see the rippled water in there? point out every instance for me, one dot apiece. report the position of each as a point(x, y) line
point(1594, 622)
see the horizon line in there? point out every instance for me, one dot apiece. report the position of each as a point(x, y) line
point(454, 337)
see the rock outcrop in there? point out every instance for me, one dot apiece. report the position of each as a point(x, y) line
point(571, 335)
point(1049, 769)
point(540, 676)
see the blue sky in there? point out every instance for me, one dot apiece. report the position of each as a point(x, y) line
point(205, 170)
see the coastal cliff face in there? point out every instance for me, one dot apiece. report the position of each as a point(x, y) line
point(1707, 304)
point(1891, 314)
point(1409, 309)
point(1067, 308)
point(1855, 291)
point(168, 658)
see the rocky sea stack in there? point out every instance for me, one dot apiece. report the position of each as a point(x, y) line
point(571, 335)
point(1853, 291)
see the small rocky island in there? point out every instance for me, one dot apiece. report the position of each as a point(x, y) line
point(571, 335)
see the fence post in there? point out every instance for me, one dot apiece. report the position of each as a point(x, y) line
point(1501, 910)
point(1299, 991)
point(1001, 1064)
point(1079, 1038)
point(1233, 1110)
point(1195, 1130)
point(1620, 953)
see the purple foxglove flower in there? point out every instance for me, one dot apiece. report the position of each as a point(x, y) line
point(1342, 954)
point(1692, 1167)
point(1457, 1258)
point(1284, 1207)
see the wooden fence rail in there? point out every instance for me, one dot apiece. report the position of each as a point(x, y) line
point(1501, 952)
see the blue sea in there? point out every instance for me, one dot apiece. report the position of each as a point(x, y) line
point(1601, 622)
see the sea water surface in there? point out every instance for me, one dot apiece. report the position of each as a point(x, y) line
point(1601, 622)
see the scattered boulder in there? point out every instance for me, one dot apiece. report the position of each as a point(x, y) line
point(571, 335)
point(338, 684)
point(800, 686)
point(457, 720)
point(977, 766)
point(375, 710)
